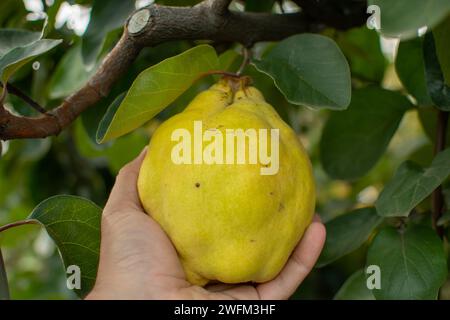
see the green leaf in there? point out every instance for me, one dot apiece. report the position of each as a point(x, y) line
point(410, 68)
point(442, 41)
point(437, 88)
point(74, 224)
point(14, 38)
point(155, 88)
point(17, 47)
point(107, 118)
point(403, 18)
point(412, 263)
point(310, 70)
point(228, 59)
point(70, 74)
point(259, 6)
point(355, 288)
point(362, 48)
point(17, 57)
point(347, 233)
point(104, 18)
point(353, 140)
point(411, 184)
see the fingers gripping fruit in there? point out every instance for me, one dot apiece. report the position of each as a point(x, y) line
point(232, 215)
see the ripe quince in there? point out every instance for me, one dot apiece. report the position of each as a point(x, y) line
point(229, 221)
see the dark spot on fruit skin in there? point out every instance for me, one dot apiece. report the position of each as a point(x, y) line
point(252, 240)
point(280, 207)
point(271, 193)
point(197, 185)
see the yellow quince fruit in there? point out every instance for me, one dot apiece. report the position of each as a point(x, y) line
point(230, 183)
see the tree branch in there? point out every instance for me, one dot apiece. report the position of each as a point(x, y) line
point(151, 26)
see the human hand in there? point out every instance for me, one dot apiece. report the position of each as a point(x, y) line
point(138, 261)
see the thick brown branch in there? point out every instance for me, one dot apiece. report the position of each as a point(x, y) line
point(151, 26)
point(201, 23)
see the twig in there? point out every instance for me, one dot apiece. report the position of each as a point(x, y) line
point(245, 61)
point(4, 288)
point(438, 197)
point(22, 95)
point(16, 224)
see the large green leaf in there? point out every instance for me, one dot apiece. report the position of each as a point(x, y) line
point(442, 41)
point(437, 88)
point(411, 184)
point(412, 263)
point(155, 88)
point(353, 140)
point(104, 18)
point(70, 74)
point(310, 70)
point(403, 18)
point(348, 232)
point(355, 288)
point(17, 47)
point(362, 48)
point(74, 224)
point(410, 68)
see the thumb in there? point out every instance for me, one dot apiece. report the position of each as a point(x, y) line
point(124, 194)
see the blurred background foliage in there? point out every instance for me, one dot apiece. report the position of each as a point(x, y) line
point(72, 163)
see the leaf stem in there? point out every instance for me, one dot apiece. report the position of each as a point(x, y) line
point(4, 288)
point(16, 224)
point(438, 197)
point(220, 73)
point(246, 60)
